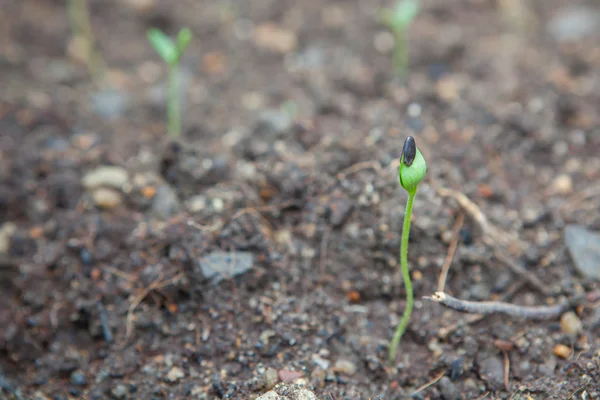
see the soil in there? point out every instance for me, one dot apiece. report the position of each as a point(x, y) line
point(294, 124)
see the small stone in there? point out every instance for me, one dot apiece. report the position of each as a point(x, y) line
point(449, 390)
point(273, 123)
point(574, 23)
point(218, 265)
point(271, 377)
point(562, 351)
point(562, 184)
point(108, 175)
point(196, 203)
point(119, 392)
point(288, 376)
point(110, 104)
point(584, 248)
point(320, 361)
point(344, 367)
point(6, 231)
point(107, 198)
point(570, 323)
point(492, 371)
point(341, 210)
point(447, 88)
point(270, 395)
point(165, 203)
point(384, 42)
point(271, 37)
point(77, 378)
point(174, 374)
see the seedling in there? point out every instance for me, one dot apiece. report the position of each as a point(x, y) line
point(171, 52)
point(398, 21)
point(411, 172)
point(82, 44)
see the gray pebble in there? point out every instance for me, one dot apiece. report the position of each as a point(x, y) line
point(165, 202)
point(584, 247)
point(449, 390)
point(491, 370)
point(217, 265)
point(78, 378)
point(119, 392)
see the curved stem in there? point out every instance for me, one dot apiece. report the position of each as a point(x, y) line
point(406, 277)
point(173, 107)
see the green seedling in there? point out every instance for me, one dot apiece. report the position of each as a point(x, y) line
point(83, 44)
point(411, 172)
point(398, 20)
point(171, 52)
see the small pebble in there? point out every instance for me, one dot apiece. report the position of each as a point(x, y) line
point(562, 184)
point(288, 376)
point(107, 198)
point(570, 323)
point(108, 175)
point(119, 392)
point(6, 231)
point(77, 378)
point(449, 389)
point(271, 378)
point(174, 375)
point(320, 361)
point(271, 37)
point(562, 351)
point(345, 367)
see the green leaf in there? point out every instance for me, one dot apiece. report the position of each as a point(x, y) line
point(163, 45)
point(405, 12)
point(183, 40)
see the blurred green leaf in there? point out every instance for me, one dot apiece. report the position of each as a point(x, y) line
point(163, 45)
point(183, 40)
point(405, 12)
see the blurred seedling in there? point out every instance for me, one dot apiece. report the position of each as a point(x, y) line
point(171, 51)
point(82, 46)
point(398, 20)
point(411, 172)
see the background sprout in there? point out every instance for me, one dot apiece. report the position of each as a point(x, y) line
point(398, 20)
point(82, 44)
point(171, 52)
point(411, 172)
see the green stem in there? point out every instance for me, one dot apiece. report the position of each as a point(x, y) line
point(400, 54)
point(81, 27)
point(406, 277)
point(173, 107)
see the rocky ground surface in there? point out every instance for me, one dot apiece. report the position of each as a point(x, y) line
point(257, 256)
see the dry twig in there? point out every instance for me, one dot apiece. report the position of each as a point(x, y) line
point(494, 237)
point(431, 382)
point(451, 250)
point(498, 307)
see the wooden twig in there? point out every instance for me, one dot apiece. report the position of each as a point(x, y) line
point(492, 235)
point(451, 250)
point(431, 382)
point(498, 307)
point(495, 238)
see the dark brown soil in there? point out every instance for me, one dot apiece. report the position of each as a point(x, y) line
point(112, 303)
